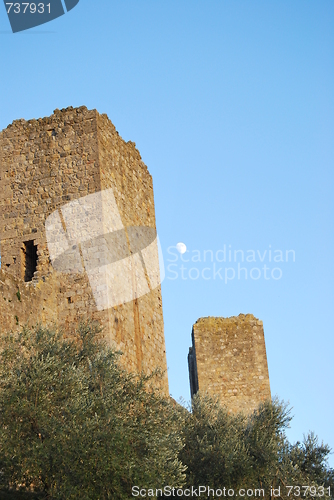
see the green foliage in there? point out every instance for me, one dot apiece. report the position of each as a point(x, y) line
point(214, 451)
point(18, 295)
point(75, 425)
point(236, 451)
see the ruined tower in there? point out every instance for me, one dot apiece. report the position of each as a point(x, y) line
point(78, 234)
point(228, 359)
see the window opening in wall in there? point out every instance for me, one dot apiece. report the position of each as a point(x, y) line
point(29, 260)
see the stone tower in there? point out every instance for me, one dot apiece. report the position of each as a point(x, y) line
point(228, 359)
point(78, 234)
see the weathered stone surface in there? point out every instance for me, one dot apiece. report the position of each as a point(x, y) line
point(228, 359)
point(45, 164)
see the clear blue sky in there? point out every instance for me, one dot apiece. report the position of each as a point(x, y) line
point(230, 103)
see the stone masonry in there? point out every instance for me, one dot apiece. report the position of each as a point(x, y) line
point(44, 165)
point(228, 359)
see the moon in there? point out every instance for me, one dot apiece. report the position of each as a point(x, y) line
point(181, 247)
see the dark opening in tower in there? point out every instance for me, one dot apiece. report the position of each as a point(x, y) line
point(29, 260)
